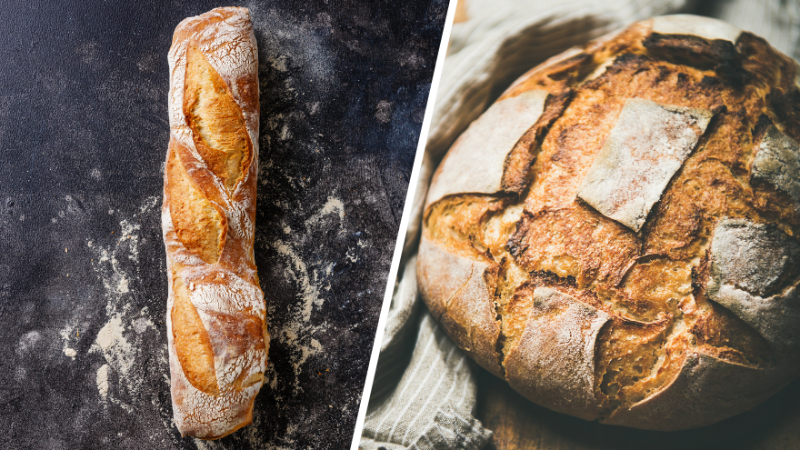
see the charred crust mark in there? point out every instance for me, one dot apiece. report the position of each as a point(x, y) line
point(625, 62)
point(517, 167)
point(517, 243)
point(711, 83)
point(571, 69)
point(760, 128)
point(749, 45)
point(682, 80)
point(664, 73)
point(786, 107)
point(700, 276)
point(546, 278)
point(567, 285)
point(718, 54)
point(713, 124)
point(766, 65)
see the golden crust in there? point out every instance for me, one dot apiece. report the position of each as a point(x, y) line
point(198, 223)
point(192, 344)
point(215, 119)
point(723, 94)
point(218, 339)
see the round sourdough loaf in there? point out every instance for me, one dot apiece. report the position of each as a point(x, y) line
point(616, 235)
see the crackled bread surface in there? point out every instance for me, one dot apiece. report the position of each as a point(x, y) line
point(629, 253)
point(216, 315)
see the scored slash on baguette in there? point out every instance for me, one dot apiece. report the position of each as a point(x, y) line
point(216, 315)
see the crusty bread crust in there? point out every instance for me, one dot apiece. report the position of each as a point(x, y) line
point(216, 315)
point(634, 259)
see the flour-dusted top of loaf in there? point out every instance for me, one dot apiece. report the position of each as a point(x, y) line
point(554, 357)
point(648, 144)
point(477, 161)
point(638, 246)
point(778, 163)
point(216, 315)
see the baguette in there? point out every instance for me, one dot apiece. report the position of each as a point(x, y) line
point(216, 314)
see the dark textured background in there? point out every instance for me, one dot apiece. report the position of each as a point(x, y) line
point(83, 135)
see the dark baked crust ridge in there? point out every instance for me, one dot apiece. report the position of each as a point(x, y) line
point(651, 284)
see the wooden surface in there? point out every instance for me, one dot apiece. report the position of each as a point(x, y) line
point(519, 424)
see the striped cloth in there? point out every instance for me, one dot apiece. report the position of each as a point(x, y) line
point(424, 392)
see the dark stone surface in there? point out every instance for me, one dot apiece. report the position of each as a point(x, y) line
point(83, 136)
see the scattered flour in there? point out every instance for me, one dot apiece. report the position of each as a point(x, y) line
point(299, 273)
point(141, 324)
point(311, 279)
point(121, 339)
point(66, 334)
point(352, 255)
point(383, 111)
point(112, 344)
point(149, 204)
point(28, 342)
point(205, 445)
point(297, 337)
point(332, 206)
point(279, 63)
point(102, 381)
